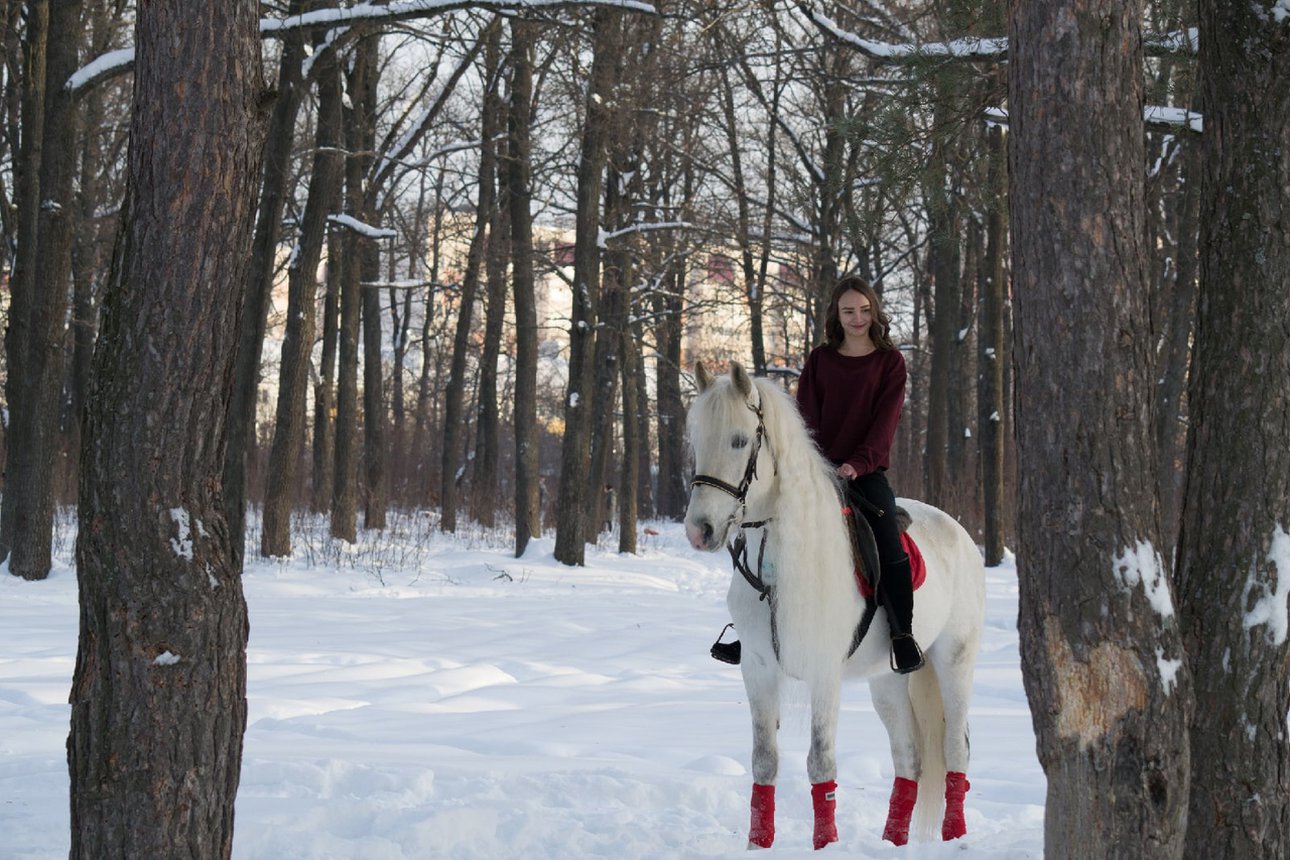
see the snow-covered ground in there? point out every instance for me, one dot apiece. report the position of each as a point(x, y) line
point(429, 696)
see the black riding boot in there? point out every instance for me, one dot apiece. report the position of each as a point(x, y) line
point(727, 652)
point(897, 591)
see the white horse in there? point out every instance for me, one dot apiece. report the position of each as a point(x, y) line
point(762, 485)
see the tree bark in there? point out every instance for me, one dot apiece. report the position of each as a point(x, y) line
point(519, 190)
point(1234, 552)
point(298, 341)
point(1100, 644)
point(159, 690)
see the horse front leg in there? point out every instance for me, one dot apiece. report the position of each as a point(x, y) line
point(821, 762)
point(762, 685)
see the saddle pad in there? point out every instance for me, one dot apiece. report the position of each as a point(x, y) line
point(917, 567)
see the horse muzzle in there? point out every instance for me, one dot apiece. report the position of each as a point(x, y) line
point(703, 536)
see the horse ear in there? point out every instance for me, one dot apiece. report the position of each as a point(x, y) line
point(702, 376)
point(741, 379)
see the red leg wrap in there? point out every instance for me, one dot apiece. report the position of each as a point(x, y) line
point(956, 785)
point(904, 793)
point(822, 798)
point(761, 832)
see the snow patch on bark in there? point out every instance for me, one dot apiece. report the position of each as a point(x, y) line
point(1142, 566)
point(1270, 591)
point(182, 542)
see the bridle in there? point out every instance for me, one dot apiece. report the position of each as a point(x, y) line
point(740, 493)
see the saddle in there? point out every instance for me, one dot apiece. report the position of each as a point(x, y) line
point(864, 549)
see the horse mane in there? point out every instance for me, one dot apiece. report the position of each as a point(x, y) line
point(819, 603)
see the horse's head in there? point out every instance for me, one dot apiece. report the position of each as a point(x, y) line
point(733, 463)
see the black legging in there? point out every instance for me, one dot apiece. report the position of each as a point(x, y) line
point(874, 488)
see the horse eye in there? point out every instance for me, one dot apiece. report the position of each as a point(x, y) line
point(739, 441)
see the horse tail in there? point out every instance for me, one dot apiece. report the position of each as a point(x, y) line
point(929, 712)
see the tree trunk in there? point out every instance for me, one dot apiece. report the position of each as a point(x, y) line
point(325, 386)
point(40, 289)
point(1234, 552)
point(487, 424)
point(298, 342)
point(264, 250)
point(1179, 316)
point(359, 142)
point(629, 476)
point(991, 407)
point(376, 496)
point(613, 324)
point(159, 691)
point(1101, 651)
point(671, 409)
point(519, 189)
point(943, 225)
point(573, 510)
point(34, 342)
point(490, 123)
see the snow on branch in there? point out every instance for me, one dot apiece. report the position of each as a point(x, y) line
point(1157, 117)
point(1183, 42)
point(352, 223)
point(640, 227)
point(400, 11)
point(120, 61)
point(972, 48)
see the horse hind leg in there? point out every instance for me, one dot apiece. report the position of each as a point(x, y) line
point(891, 701)
point(763, 702)
point(955, 677)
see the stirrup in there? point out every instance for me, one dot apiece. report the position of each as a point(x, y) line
point(726, 652)
point(905, 665)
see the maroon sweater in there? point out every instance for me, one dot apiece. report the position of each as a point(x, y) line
point(851, 405)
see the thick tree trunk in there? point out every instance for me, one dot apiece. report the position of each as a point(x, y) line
point(1101, 648)
point(159, 691)
point(572, 514)
point(519, 189)
point(302, 298)
point(991, 407)
point(1234, 551)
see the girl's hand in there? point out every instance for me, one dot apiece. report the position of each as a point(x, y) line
point(846, 470)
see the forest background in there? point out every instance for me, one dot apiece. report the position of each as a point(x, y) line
point(1077, 216)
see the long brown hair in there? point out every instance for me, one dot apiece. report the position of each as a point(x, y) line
point(879, 329)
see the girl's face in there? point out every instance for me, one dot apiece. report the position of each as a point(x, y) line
point(855, 314)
